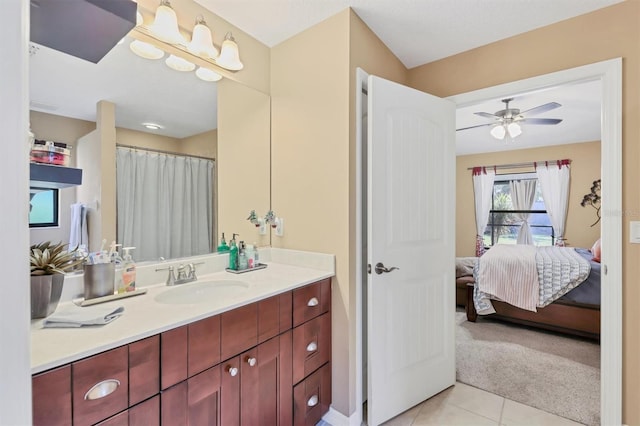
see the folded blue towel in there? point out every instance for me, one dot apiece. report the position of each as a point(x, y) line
point(75, 316)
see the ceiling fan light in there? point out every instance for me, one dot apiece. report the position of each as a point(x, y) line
point(165, 24)
point(145, 50)
point(207, 75)
point(514, 129)
point(179, 64)
point(229, 55)
point(201, 41)
point(498, 132)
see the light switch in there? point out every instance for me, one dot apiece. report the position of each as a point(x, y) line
point(634, 232)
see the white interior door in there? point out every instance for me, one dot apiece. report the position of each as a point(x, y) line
point(411, 190)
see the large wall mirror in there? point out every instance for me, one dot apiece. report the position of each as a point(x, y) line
point(222, 127)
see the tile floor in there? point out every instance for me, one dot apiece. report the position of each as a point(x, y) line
point(462, 405)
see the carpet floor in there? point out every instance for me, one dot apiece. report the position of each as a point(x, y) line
point(557, 374)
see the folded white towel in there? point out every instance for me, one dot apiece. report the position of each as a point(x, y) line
point(75, 316)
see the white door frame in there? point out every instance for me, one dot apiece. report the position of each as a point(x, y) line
point(610, 74)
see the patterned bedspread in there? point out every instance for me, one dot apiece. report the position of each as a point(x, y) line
point(560, 269)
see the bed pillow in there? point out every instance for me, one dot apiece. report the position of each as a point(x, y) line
point(464, 266)
point(596, 251)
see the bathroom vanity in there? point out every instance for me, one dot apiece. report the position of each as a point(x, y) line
point(257, 356)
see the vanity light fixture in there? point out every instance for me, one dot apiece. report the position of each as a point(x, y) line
point(208, 75)
point(201, 41)
point(229, 55)
point(177, 63)
point(165, 24)
point(145, 50)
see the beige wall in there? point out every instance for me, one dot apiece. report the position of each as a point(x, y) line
point(585, 168)
point(201, 145)
point(608, 33)
point(243, 166)
point(310, 83)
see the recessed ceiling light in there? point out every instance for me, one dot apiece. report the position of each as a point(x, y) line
point(152, 126)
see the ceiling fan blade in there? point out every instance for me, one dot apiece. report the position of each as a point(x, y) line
point(541, 108)
point(540, 120)
point(486, 114)
point(473, 127)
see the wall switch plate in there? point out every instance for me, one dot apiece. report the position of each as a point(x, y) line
point(279, 227)
point(634, 232)
point(262, 226)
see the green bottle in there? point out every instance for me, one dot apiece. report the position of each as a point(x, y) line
point(233, 254)
point(223, 247)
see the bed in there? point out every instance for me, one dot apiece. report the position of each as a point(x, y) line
point(575, 309)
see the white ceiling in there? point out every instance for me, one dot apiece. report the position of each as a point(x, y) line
point(417, 31)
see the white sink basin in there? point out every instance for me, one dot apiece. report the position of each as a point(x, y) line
point(201, 292)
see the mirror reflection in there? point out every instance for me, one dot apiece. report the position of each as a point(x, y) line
point(162, 196)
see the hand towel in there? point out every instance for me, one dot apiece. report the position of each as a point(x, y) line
point(75, 316)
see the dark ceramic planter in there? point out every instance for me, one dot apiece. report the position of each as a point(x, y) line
point(45, 294)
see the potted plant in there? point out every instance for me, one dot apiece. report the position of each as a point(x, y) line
point(49, 262)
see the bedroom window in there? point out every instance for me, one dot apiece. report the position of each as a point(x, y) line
point(505, 221)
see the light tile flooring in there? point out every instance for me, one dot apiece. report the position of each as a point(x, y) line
point(462, 405)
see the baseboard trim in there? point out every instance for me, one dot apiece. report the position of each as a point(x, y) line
point(336, 418)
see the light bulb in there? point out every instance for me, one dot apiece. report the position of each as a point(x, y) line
point(498, 132)
point(514, 129)
point(145, 50)
point(207, 75)
point(179, 64)
point(229, 55)
point(201, 42)
point(165, 24)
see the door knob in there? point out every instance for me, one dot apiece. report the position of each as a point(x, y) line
point(380, 268)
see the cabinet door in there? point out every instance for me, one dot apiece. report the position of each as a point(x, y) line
point(195, 402)
point(144, 369)
point(52, 397)
point(146, 413)
point(239, 330)
point(265, 376)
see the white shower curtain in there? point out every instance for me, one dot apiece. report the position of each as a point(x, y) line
point(164, 204)
point(483, 194)
point(554, 182)
point(523, 194)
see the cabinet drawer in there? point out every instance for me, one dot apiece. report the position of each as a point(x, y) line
point(52, 397)
point(239, 330)
point(311, 301)
point(312, 397)
point(100, 386)
point(311, 346)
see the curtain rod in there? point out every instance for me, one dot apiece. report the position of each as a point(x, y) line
point(518, 165)
point(160, 151)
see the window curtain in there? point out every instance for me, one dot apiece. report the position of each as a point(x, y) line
point(482, 194)
point(554, 182)
point(164, 204)
point(523, 194)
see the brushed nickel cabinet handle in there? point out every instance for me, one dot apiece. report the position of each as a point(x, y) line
point(312, 347)
point(313, 401)
point(313, 302)
point(102, 389)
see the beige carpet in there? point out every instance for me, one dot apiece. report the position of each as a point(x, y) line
point(557, 374)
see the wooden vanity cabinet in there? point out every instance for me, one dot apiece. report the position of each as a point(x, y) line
point(252, 365)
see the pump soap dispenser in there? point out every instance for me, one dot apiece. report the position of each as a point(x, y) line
point(223, 247)
point(233, 254)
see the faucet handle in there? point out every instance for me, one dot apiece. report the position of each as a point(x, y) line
point(192, 270)
point(171, 279)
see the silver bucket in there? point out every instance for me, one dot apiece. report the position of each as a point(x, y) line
point(45, 294)
point(98, 280)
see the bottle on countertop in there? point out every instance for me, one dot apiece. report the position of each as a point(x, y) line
point(251, 258)
point(256, 255)
point(242, 257)
point(128, 271)
point(223, 247)
point(233, 254)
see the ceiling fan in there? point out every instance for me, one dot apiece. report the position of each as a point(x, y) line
point(507, 121)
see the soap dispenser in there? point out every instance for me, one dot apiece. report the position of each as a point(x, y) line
point(242, 257)
point(128, 271)
point(223, 247)
point(233, 254)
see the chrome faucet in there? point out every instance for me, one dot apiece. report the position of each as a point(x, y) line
point(186, 274)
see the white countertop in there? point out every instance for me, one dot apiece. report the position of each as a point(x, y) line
point(144, 316)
